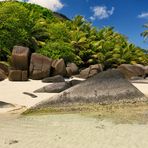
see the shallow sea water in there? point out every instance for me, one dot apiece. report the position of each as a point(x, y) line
point(70, 131)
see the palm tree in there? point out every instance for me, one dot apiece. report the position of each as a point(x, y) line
point(145, 33)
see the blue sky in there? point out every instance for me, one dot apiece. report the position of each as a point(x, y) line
point(126, 16)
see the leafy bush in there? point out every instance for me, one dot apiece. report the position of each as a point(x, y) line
point(57, 50)
point(23, 24)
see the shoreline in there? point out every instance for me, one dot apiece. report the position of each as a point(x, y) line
point(12, 92)
point(110, 126)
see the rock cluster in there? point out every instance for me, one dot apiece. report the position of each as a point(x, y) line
point(35, 66)
point(25, 65)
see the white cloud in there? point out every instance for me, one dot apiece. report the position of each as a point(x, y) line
point(53, 5)
point(143, 15)
point(101, 12)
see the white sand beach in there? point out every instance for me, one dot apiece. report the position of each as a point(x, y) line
point(12, 92)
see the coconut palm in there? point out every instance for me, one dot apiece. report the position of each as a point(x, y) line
point(145, 33)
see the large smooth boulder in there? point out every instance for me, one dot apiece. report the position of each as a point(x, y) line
point(39, 66)
point(18, 75)
point(58, 67)
point(54, 79)
point(72, 69)
point(53, 88)
point(90, 71)
point(2, 75)
point(20, 58)
point(104, 88)
point(130, 71)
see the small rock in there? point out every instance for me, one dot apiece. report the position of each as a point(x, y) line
point(58, 67)
point(90, 71)
point(72, 69)
point(57, 78)
point(13, 142)
point(5, 105)
point(18, 75)
point(2, 75)
point(15, 75)
point(4, 67)
point(53, 88)
point(30, 94)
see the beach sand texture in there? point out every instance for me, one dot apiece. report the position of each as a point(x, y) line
point(12, 92)
point(70, 131)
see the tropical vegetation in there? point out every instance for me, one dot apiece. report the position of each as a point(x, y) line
point(54, 35)
point(145, 33)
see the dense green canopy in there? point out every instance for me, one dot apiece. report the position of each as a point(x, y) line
point(55, 36)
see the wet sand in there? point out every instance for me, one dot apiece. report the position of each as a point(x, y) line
point(71, 131)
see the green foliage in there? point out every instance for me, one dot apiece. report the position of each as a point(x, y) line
point(13, 26)
point(58, 32)
point(145, 33)
point(55, 36)
point(57, 50)
point(23, 24)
